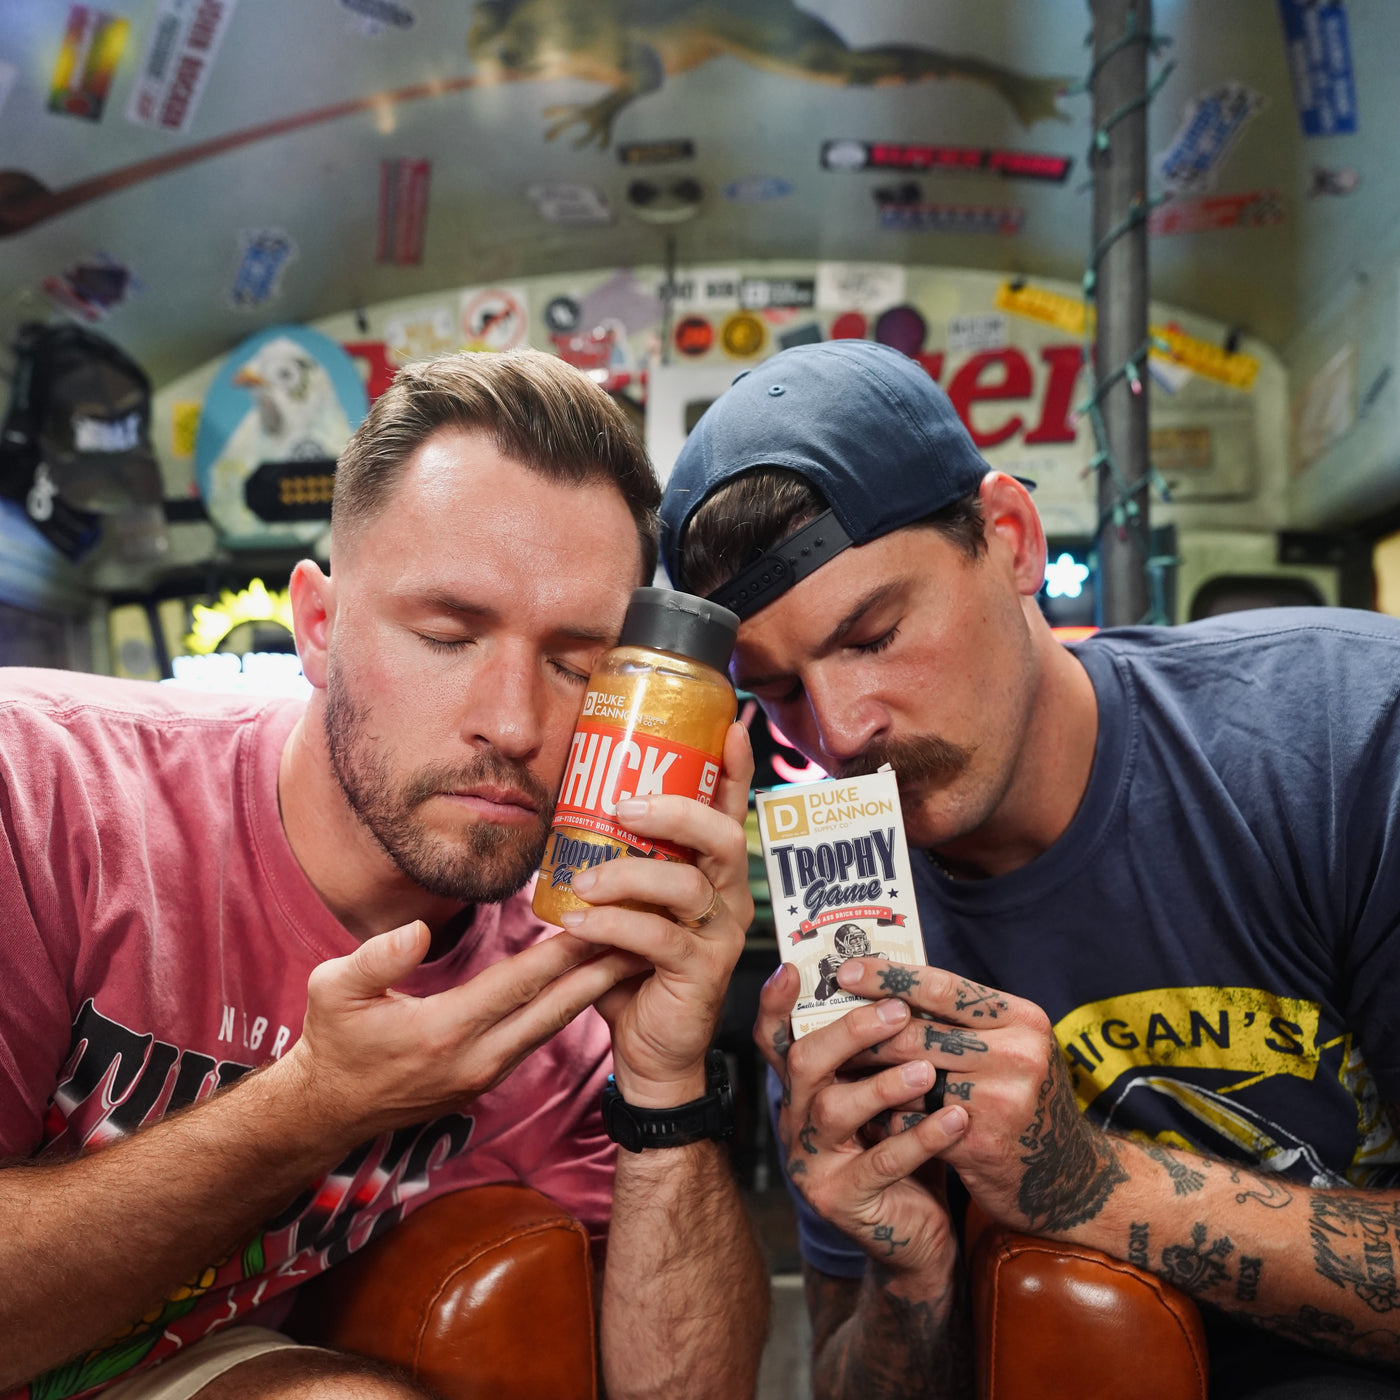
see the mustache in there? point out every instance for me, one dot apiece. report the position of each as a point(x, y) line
point(920, 758)
point(492, 768)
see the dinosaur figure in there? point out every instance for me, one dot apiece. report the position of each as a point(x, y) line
point(634, 45)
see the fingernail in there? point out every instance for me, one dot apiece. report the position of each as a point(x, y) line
point(849, 974)
point(917, 1073)
point(775, 974)
point(572, 918)
point(954, 1120)
point(891, 1011)
point(633, 807)
point(405, 938)
point(585, 880)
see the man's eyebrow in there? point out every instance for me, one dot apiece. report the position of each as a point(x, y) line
point(439, 601)
point(873, 599)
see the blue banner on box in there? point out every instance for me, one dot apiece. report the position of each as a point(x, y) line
point(1319, 62)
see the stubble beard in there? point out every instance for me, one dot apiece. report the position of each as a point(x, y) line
point(489, 863)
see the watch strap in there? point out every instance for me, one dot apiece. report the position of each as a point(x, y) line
point(711, 1116)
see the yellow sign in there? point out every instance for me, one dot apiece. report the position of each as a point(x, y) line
point(1241, 1029)
point(253, 604)
point(1169, 344)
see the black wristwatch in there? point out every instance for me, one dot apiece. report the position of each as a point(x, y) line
point(710, 1117)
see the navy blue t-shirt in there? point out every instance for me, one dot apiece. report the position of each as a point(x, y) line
point(1214, 936)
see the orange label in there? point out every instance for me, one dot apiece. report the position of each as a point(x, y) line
point(607, 765)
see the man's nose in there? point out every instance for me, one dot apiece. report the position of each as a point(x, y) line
point(506, 705)
point(845, 724)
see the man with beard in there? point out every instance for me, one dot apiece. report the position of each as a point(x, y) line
point(1173, 847)
point(271, 976)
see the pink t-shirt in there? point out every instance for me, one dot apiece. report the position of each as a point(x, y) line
point(157, 934)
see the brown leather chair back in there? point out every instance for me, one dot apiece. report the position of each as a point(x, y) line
point(1056, 1321)
point(485, 1293)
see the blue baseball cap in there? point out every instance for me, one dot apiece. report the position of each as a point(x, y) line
point(863, 423)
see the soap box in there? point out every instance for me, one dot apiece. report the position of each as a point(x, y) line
point(840, 882)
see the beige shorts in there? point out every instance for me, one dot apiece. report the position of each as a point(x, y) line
point(180, 1376)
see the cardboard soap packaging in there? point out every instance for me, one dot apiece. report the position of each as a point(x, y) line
point(840, 882)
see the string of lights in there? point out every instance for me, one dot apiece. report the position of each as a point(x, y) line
point(1123, 511)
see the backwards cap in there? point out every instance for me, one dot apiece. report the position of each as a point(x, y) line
point(863, 423)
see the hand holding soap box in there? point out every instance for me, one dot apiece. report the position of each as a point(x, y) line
point(839, 878)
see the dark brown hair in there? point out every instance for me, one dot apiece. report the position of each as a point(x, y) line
point(747, 516)
point(537, 410)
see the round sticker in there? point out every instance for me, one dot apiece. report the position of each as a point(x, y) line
point(902, 328)
point(845, 155)
point(849, 325)
point(562, 315)
point(694, 335)
point(493, 320)
point(742, 335)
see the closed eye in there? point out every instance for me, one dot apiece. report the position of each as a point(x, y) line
point(872, 648)
point(442, 644)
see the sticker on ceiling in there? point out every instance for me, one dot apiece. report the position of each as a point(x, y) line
point(495, 318)
point(263, 255)
point(1319, 64)
point(902, 328)
point(181, 45)
point(742, 335)
point(562, 315)
point(403, 211)
point(419, 335)
point(808, 334)
point(859, 286)
point(635, 48)
point(93, 43)
point(656, 152)
point(1334, 182)
point(919, 216)
point(849, 325)
point(93, 287)
point(373, 17)
point(371, 360)
point(286, 398)
point(1254, 209)
point(573, 205)
point(761, 293)
point(981, 330)
point(665, 200)
point(694, 336)
point(756, 189)
point(1210, 127)
point(945, 160)
point(625, 299)
point(704, 289)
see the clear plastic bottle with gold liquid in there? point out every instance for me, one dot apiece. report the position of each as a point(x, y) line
point(654, 719)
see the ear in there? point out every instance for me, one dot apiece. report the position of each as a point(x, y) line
point(313, 615)
point(1012, 524)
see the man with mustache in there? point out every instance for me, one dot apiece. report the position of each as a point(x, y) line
point(272, 979)
point(1158, 883)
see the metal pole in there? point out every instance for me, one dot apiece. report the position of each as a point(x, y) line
point(1120, 187)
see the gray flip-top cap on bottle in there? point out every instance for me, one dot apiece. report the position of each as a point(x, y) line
point(665, 620)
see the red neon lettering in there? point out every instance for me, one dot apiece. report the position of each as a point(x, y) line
point(967, 389)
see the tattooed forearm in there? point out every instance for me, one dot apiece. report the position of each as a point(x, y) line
point(1247, 1284)
point(952, 1041)
point(1268, 1191)
point(1354, 1238)
point(1333, 1333)
point(1197, 1267)
point(1137, 1245)
point(1184, 1179)
point(1071, 1167)
point(890, 1347)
